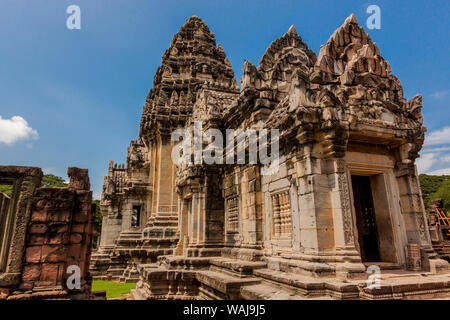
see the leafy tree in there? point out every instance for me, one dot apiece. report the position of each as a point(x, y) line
point(6, 189)
point(50, 180)
point(443, 192)
point(430, 186)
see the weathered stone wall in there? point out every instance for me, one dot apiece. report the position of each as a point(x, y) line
point(57, 234)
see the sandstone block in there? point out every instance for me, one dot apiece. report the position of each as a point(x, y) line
point(53, 253)
point(31, 272)
point(38, 228)
point(33, 254)
point(49, 273)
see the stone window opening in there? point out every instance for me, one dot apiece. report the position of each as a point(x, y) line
point(281, 210)
point(136, 216)
point(6, 223)
point(232, 204)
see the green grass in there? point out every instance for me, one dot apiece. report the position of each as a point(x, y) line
point(113, 289)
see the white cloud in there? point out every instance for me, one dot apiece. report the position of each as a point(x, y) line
point(437, 149)
point(15, 129)
point(435, 156)
point(425, 162)
point(439, 95)
point(440, 172)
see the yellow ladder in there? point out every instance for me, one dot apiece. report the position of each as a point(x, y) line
point(443, 218)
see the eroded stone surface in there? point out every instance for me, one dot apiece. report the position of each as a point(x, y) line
point(44, 231)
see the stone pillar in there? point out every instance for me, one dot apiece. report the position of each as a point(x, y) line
point(183, 226)
point(163, 221)
point(435, 232)
point(111, 227)
point(344, 232)
point(251, 208)
point(326, 232)
point(194, 218)
point(413, 211)
point(127, 212)
point(201, 218)
point(412, 207)
point(296, 236)
point(307, 171)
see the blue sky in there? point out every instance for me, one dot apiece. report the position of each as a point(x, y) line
point(75, 97)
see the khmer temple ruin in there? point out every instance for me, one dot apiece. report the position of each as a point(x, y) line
point(345, 197)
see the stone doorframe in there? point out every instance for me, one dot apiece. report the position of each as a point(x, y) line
point(185, 211)
point(386, 194)
point(24, 180)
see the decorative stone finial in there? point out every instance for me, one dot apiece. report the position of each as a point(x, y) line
point(79, 178)
point(292, 30)
point(351, 19)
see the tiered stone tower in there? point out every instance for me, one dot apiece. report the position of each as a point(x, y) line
point(144, 188)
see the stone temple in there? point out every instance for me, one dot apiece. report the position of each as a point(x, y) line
point(345, 200)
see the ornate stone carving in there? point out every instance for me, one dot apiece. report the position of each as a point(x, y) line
point(345, 203)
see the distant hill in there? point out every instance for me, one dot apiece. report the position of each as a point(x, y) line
point(435, 187)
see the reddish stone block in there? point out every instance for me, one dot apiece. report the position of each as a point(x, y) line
point(65, 238)
point(49, 274)
point(59, 216)
point(54, 238)
point(84, 196)
point(80, 216)
point(74, 251)
point(33, 254)
point(38, 228)
point(31, 272)
point(42, 204)
point(4, 291)
point(36, 239)
point(76, 238)
point(39, 216)
point(61, 272)
point(26, 285)
point(60, 228)
point(53, 253)
point(78, 228)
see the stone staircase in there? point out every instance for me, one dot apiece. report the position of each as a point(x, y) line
point(99, 264)
point(226, 278)
point(443, 249)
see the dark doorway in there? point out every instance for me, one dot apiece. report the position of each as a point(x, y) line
point(365, 219)
point(136, 217)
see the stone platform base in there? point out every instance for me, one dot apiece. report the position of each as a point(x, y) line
point(55, 293)
point(225, 278)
